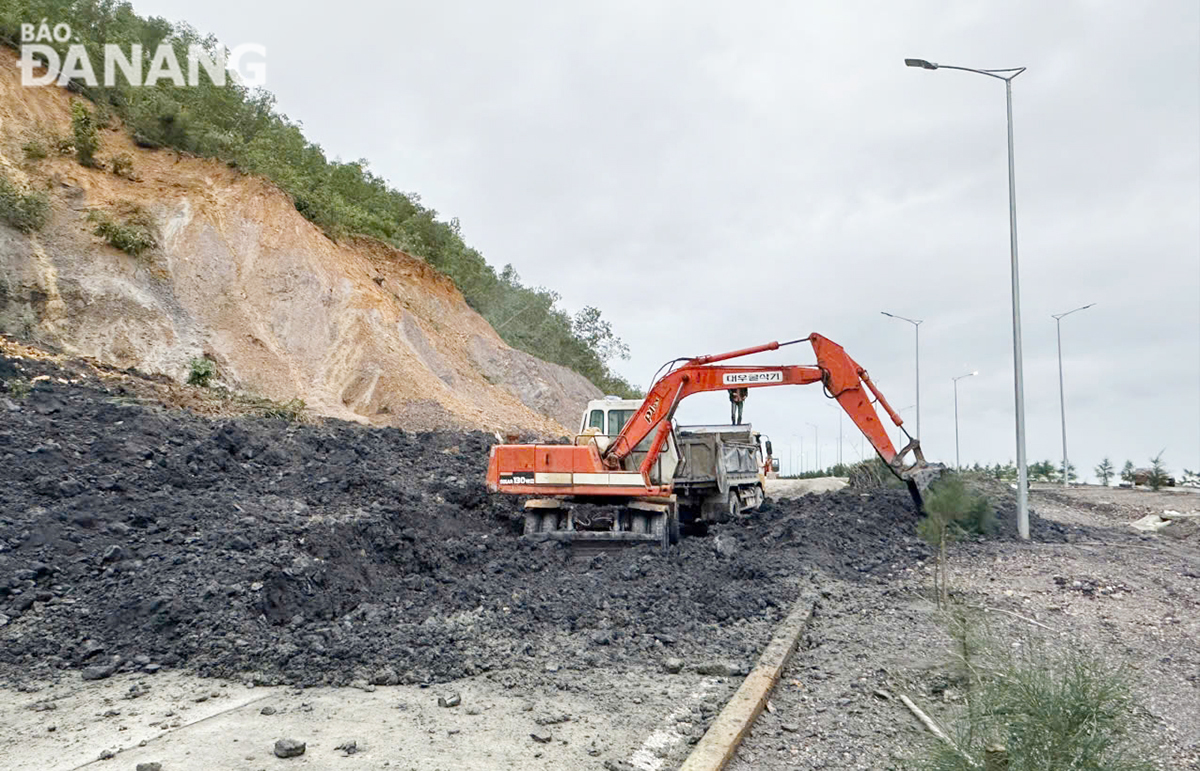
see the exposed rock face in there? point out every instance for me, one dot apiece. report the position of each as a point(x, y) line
point(356, 329)
point(548, 389)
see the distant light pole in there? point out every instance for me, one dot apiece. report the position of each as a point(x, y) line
point(1007, 76)
point(840, 412)
point(917, 328)
point(1062, 401)
point(900, 429)
point(957, 464)
point(817, 444)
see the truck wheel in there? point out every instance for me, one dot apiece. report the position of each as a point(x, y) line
point(673, 531)
point(734, 505)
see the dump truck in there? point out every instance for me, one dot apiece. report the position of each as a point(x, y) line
point(717, 472)
point(641, 481)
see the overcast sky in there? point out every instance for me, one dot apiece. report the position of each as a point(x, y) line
point(716, 175)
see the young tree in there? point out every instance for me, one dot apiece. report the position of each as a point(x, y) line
point(1158, 473)
point(83, 126)
point(1105, 471)
point(1127, 473)
point(1043, 471)
point(951, 511)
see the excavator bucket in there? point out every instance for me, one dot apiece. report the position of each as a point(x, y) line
point(920, 479)
point(918, 476)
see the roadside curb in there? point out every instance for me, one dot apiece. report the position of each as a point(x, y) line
point(721, 740)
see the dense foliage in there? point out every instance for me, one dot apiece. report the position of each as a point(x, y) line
point(242, 128)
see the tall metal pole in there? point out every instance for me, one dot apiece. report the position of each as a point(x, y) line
point(900, 429)
point(957, 462)
point(1007, 76)
point(1062, 403)
point(917, 327)
point(1018, 366)
point(840, 412)
point(1062, 400)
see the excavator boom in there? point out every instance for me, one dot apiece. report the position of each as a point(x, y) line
point(841, 376)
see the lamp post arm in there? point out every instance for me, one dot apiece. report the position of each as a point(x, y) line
point(990, 73)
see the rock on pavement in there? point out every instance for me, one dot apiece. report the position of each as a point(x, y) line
point(289, 748)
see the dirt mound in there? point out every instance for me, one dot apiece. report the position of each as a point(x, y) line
point(133, 537)
point(358, 330)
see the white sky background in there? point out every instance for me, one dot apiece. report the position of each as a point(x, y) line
point(716, 175)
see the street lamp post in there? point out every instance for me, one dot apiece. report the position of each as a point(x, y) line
point(916, 328)
point(1007, 76)
point(957, 463)
point(1062, 401)
point(900, 429)
point(817, 445)
point(840, 412)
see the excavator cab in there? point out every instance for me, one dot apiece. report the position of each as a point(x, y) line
point(603, 421)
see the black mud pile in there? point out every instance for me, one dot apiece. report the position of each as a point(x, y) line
point(133, 537)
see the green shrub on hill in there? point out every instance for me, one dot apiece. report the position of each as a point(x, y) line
point(26, 212)
point(241, 127)
point(132, 234)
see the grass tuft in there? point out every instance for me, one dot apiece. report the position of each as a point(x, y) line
point(1050, 710)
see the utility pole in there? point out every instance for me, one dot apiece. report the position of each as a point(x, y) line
point(957, 463)
point(1007, 76)
point(835, 405)
point(917, 330)
point(1062, 399)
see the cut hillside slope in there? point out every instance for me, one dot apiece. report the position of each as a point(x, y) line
point(356, 329)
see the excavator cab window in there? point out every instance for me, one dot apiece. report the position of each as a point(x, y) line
point(596, 420)
point(617, 420)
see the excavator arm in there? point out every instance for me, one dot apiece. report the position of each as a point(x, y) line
point(842, 378)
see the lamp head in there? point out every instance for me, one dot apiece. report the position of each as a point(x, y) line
point(922, 63)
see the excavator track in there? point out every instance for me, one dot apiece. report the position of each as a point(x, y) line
point(593, 527)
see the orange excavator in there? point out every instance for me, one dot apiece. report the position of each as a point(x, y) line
point(640, 483)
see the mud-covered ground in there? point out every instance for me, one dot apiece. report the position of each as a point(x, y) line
point(134, 538)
